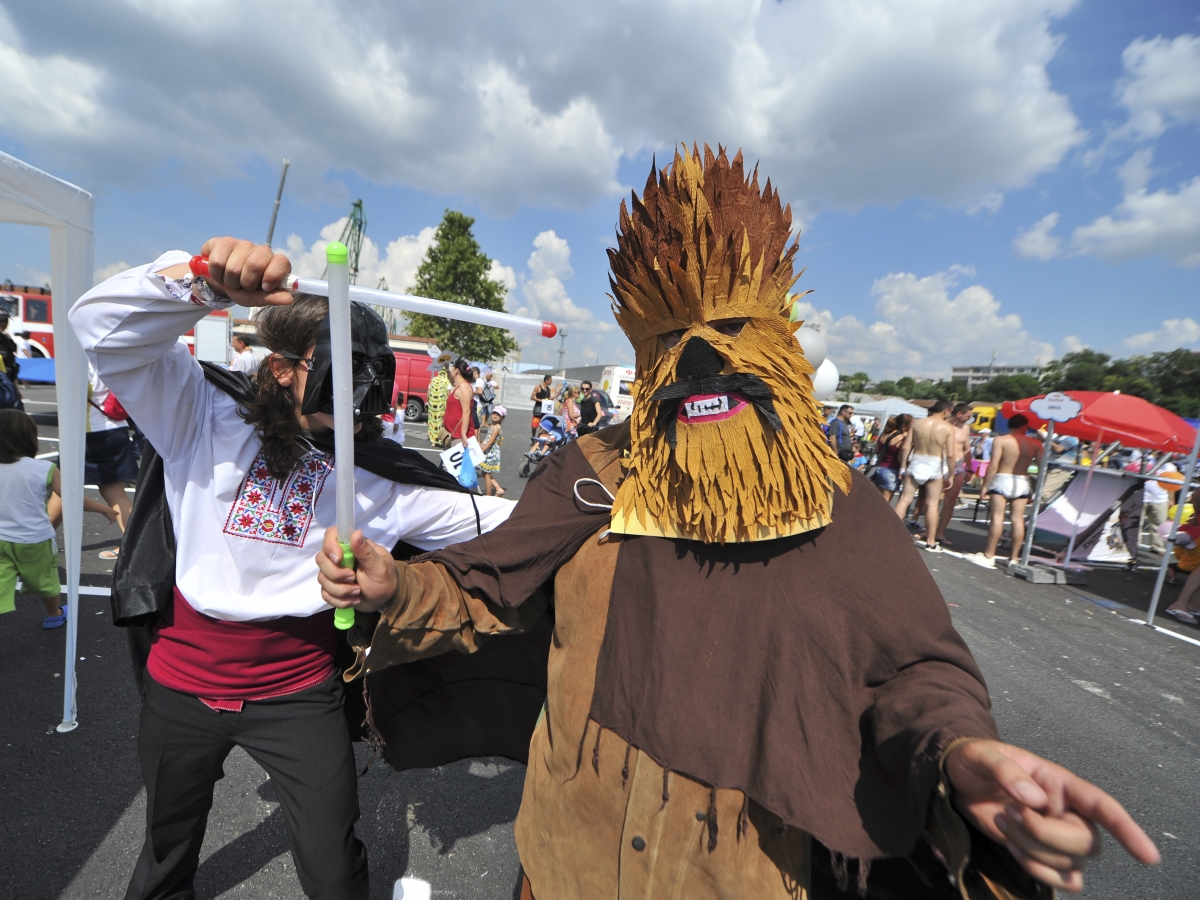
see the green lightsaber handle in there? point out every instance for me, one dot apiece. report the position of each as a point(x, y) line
point(343, 619)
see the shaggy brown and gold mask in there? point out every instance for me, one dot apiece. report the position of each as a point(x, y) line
point(726, 436)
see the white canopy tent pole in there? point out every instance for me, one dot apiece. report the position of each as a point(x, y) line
point(29, 196)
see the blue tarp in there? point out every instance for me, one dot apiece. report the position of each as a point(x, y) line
point(37, 371)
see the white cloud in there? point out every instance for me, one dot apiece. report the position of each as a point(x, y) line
point(1036, 241)
point(546, 297)
point(399, 264)
point(1161, 86)
point(504, 275)
point(539, 102)
point(922, 330)
point(1174, 333)
point(106, 272)
point(28, 275)
point(1071, 344)
point(1160, 223)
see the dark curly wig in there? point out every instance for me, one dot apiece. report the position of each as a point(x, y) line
point(292, 330)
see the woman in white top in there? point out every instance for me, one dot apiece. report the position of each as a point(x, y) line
point(244, 655)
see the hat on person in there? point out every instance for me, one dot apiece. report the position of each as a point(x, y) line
point(500, 411)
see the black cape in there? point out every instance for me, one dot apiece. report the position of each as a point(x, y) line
point(433, 705)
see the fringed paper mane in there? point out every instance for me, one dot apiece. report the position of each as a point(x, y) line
point(703, 245)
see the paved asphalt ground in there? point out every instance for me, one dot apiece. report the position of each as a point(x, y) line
point(1071, 676)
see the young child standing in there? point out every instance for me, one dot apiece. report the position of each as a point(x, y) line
point(493, 437)
point(27, 548)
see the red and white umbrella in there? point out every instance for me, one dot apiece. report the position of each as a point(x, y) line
point(1116, 417)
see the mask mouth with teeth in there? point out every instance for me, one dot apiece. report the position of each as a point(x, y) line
point(726, 439)
point(374, 367)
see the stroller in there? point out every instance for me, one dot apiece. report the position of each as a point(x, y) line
point(552, 437)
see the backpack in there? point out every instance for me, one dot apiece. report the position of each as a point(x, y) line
point(487, 395)
point(10, 398)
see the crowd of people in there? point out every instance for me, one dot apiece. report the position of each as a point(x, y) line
point(921, 467)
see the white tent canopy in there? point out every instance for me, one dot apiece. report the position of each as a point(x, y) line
point(883, 409)
point(29, 196)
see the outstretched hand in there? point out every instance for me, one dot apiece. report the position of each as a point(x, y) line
point(368, 587)
point(247, 273)
point(1045, 815)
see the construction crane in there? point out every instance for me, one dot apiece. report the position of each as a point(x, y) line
point(390, 316)
point(352, 236)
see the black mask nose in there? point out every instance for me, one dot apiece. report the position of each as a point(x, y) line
point(698, 360)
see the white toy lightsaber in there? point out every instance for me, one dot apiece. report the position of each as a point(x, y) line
point(343, 407)
point(409, 303)
point(426, 306)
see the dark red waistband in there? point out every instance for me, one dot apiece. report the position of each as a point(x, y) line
point(227, 663)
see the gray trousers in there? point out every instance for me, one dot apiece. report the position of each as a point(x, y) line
point(1153, 515)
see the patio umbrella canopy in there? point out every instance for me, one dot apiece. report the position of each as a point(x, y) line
point(1116, 417)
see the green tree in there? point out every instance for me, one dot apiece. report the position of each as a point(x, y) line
point(887, 387)
point(906, 387)
point(456, 269)
point(1084, 370)
point(954, 389)
point(1176, 374)
point(1007, 387)
point(856, 382)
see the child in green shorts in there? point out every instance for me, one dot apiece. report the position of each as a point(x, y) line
point(27, 548)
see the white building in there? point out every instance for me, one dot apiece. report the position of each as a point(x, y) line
point(977, 375)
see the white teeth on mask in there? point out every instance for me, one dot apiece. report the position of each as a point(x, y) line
point(710, 407)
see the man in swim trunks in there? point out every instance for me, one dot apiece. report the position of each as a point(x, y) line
point(960, 461)
point(929, 444)
point(1008, 482)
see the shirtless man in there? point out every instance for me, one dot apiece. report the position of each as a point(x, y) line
point(1007, 481)
point(923, 458)
point(960, 463)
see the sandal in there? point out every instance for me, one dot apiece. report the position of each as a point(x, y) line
point(58, 621)
point(110, 554)
point(1183, 616)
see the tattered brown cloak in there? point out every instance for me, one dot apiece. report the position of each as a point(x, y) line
point(726, 436)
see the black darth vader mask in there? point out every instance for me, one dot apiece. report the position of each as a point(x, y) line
point(374, 367)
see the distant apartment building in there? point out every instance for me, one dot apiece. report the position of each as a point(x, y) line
point(977, 375)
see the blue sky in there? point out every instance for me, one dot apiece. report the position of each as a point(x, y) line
point(1017, 177)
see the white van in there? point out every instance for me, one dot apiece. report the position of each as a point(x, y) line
point(617, 382)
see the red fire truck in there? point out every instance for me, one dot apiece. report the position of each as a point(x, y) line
point(29, 310)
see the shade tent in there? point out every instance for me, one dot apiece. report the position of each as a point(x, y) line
point(889, 408)
point(29, 196)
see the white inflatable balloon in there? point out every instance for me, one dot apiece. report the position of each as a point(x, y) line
point(812, 342)
point(825, 381)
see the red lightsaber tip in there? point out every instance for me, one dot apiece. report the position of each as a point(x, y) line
point(199, 266)
point(549, 329)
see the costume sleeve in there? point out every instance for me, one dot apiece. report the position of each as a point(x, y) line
point(432, 519)
point(461, 595)
point(130, 327)
point(431, 614)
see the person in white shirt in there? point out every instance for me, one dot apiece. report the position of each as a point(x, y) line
point(244, 655)
point(244, 359)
